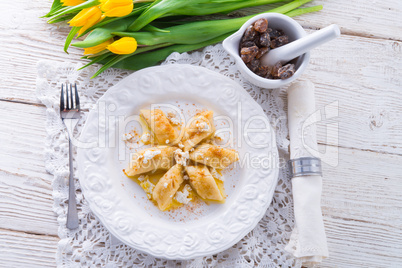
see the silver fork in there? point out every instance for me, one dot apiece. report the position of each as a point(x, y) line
point(70, 114)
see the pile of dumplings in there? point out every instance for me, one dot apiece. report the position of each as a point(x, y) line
point(186, 155)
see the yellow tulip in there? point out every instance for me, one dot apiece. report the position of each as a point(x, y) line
point(71, 2)
point(125, 45)
point(86, 18)
point(117, 8)
point(98, 48)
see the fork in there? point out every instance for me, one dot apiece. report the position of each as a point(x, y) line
point(70, 114)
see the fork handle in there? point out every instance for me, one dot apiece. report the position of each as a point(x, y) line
point(72, 215)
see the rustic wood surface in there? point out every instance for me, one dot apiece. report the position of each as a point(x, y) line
point(361, 71)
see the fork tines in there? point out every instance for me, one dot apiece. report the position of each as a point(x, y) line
point(69, 100)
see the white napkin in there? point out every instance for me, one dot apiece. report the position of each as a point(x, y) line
point(308, 240)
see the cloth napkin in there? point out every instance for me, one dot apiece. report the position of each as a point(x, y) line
point(308, 240)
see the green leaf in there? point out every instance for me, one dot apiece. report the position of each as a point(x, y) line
point(73, 32)
point(143, 60)
point(151, 28)
point(159, 8)
point(226, 7)
point(190, 33)
point(55, 7)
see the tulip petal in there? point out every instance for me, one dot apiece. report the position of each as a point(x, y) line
point(72, 2)
point(125, 45)
point(98, 48)
point(110, 4)
point(84, 15)
point(119, 11)
point(91, 22)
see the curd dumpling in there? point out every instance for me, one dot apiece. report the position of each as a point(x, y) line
point(214, 156)
point(160, 125)
point(151, 159)
point(208, 115)
point(167, 186)
point(204, 183)
point(200, 127)
point(190, 165)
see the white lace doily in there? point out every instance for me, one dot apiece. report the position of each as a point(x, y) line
point(91, 244)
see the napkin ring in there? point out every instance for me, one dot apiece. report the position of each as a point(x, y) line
point(305, 166)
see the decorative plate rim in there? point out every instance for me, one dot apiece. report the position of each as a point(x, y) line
point(200, 240)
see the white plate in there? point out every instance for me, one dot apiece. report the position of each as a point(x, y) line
point(194, 230)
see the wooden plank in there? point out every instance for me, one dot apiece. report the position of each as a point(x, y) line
point(362, 209)
point(26, 204)
point(18, 249)
point(25, 187)
point(378, 19)
point(360, 244)
point(22, 135)
point(362, 75)
point(20, 56)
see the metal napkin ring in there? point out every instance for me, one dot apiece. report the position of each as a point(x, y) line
point(305, 166)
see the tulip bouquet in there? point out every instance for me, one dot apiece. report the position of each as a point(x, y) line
point(134, 34)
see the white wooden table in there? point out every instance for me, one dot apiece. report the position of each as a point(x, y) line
point(362, 70)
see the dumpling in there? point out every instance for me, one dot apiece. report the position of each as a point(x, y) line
point(208, 115)
point(160, 157)
point(214, 156)
point(160, 125)
point(200, 127)
point(203, 183)
point(167, 186)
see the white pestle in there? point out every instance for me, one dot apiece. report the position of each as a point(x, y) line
point(300, 46)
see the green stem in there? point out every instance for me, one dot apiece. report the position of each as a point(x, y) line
point(73, 32)
point(207, 9)
point(158, 9)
